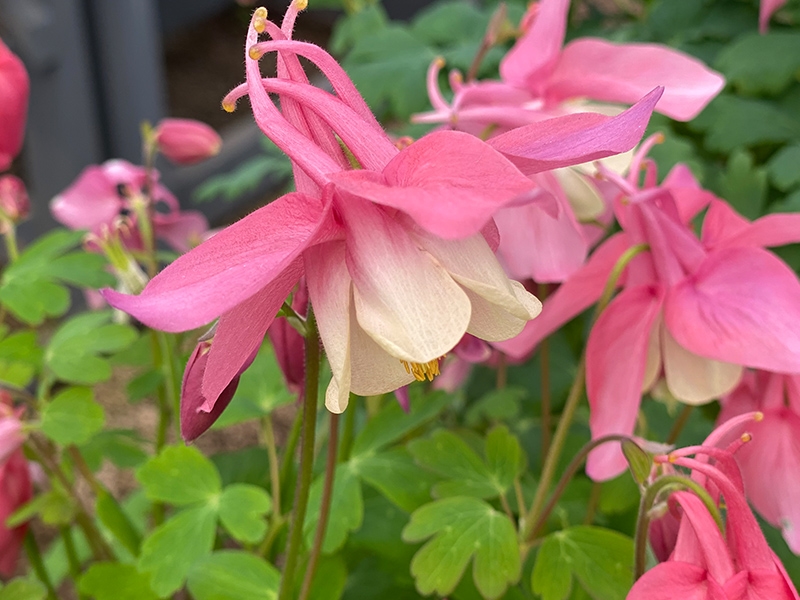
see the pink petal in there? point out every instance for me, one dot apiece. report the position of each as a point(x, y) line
point(533, 57)
point(689, 197)
point(623, 73)
point(576, 138)
point(242, 329)
point(615, 364)
point(15, 491)
point(14, 91)
point(574, 296)
point(742, 306)
point(182, 230)
point(724, 227)
point(228, 268)
point(449, 182)
point(765, 13)
point(671, 580)
point(92, 200)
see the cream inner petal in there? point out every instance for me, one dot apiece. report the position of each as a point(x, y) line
point(584, 198)
point(652, 367)
point(694, 379)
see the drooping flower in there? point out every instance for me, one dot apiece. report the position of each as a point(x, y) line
point(102, 193)
point(186, 141)
point(14, 91)
point(771, 462)
point(693, 311)
point(395, 254)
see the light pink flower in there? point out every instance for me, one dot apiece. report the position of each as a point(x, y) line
point(396, 263)
point(15, 490)
point(102, 193)
point(186, 141)
point(693, 311)
point(770, 463)
point(765, 13)
point(14, 90)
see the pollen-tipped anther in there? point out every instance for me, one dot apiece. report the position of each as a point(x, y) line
point(255, 52)
point(300, 4)
point(422, 371)
point(260, 19)
point(758, 416)
point(746, 437)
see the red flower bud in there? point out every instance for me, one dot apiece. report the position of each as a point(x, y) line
point(185, 141)
point(14, 89)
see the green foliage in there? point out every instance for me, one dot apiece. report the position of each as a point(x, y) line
point(601, 560)
point(115, 581)
point(346, 504)
point(23, 589)
point(77, 352)
point(20, 357)
point(32, 287)
point(463, 529)
point(114, 519)
point(743, 185)
point(73, 416)
point(233, 575)
point(123, 447)
point(241, 511)
point(53, 507)
point(180, 475)
point(761, 64)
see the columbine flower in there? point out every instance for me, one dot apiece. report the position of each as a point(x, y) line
point(707, 563)
point(14, 90)
point(186, 141)
point(771, 462)
point(102, 193)
point(15, 483)
point(395, 254)
point(693, 311)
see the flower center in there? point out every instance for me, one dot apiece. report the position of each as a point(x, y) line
point(422, 371)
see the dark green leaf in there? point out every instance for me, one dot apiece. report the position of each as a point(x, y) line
point(450, 22)
point(180, 475)
point(249, 465)
point(463, 528)
point(173, 548)
point(552, 576)
point(233, 575)
point(352, 28)
point(242, 509)
point(123, 447)
point(113, 518)
point(761, 64)
point(115, 581)
point(784, 168)
point(347, 508)
point(395, 475)
point(330, 578)
point(72, 417)
point(743, 185)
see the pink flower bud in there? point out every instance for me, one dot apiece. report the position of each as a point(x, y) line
point(14, 89)
point(185, 141)
point(14, 202)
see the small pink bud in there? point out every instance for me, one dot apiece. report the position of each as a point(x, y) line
point(185, 141)
point(14, 90)
point(14, 203)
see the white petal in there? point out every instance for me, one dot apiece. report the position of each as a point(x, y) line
point(652, 368)
point(584, 198)
point(693, 379)
point(493, 323)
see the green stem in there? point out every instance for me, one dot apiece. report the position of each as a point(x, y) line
point(35, 559)
point(324, 508)
point(172, 379)
point(274, 468)
point(157, 510)
point(11, 243)
point(679, 424)
point(306, 459)
point(291, 446)
point(544, 376)
point(648, 499)
point(72, 557)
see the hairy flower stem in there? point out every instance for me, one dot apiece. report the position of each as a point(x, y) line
point(289, 450)
point(10, 238)
point(649, 497)
point(36, 562)
point(274, 467)
point(306, 459)
point(324, 508)
point(544, 377)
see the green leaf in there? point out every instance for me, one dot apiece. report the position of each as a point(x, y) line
point(352, 28)
point(497, 405)
point(504, 456)
point(144, 385)
point(601, 559)
point(33, 300)
point(743, 185)
point(233, 575)
point(448, 23)
point(388, 66)
point(244, 178)
point(173, 548)
point(618, 495)
point(346, 512)
point(261, 390)
point(20, 357)
point(248, 465)
point(75, 352)
point(113, 518)
point(242, 509)
point(115, 581)
point(395, 475)
point(552, 576)
point(463, 528)
point(784, 168)
point(23, 589)
point(392, 422)
point(72, 417)
point(81, 269)
point(731, 122)
point(761, 64)
point(448, 455)
point(330, 579)
point(54, 507)
point(180, 475)
point(123, 447)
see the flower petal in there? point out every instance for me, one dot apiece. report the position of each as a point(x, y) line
point(671, 580)
point(449, 182)
point(92, 200)
point(615, 365)
point(182, 230)
point(576, 138)
point(609, 72)
point(689, 197)
point(405, 301)
point(228, 268)
point(742, 306)
point(724, 227)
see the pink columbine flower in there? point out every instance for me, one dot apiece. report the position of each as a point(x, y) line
point(15, 490)
point(186, 141)
point(102, 193)
point(766, 9)
point(771, 462)
point(14, 203)
point(395, 254)
point(707, 563)
point(11, 435)
point(14, 90)
point(692, 311)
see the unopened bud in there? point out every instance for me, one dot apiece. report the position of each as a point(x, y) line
point(185, 141)
point(14, 203)
point(14, 89)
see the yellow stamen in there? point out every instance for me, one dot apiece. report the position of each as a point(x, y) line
point(746, 437)
point(260, 19)
point(758, 416)
point(301, 4)
point(255, 52)
point(422, 371)
point(228, 106)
